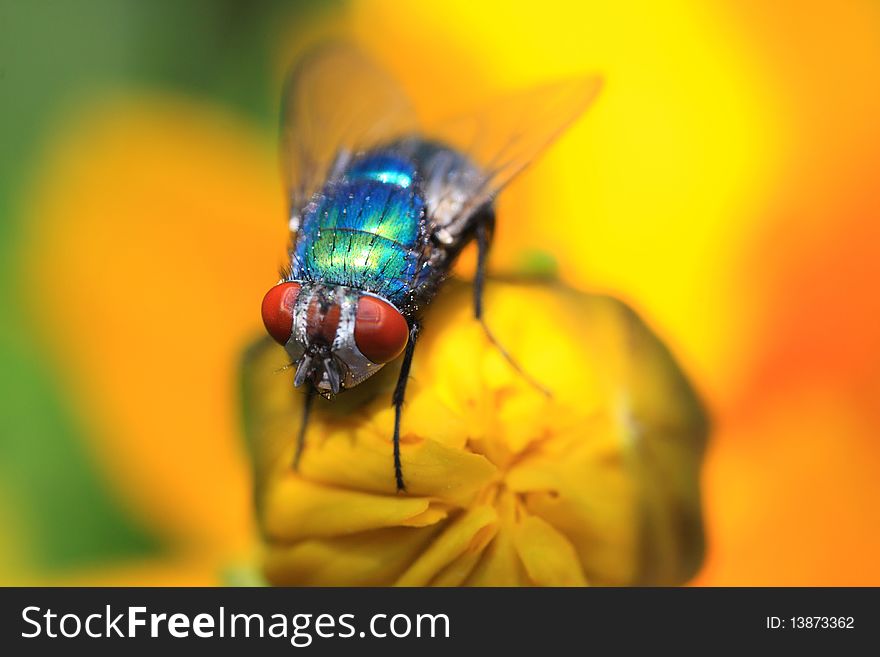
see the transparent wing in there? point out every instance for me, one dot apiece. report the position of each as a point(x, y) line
point(335, 103)
point(504, 137)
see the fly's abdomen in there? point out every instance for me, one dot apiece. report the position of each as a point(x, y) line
point(364, 231)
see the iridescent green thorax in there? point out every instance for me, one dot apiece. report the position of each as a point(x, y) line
point(364, 230)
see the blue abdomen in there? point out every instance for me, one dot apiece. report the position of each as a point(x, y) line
point(365, 230)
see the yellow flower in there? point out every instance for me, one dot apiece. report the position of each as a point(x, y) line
point(595, 485)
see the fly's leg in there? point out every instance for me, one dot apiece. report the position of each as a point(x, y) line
point(310, 395)
point(483, 236)
point(397, 401)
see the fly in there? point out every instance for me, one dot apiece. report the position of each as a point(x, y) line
point(380, 208)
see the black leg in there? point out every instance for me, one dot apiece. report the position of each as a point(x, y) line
point(485, 225)
point(397, 401)
point(310, 394)
point(484, 232)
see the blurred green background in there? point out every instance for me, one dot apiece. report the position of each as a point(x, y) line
point(54, 56)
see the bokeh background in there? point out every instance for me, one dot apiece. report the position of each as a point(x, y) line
point(726, 184)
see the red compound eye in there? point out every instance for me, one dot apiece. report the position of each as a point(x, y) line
point(380, 331)
point(278, 310)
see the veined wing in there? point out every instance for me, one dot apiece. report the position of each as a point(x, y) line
point(501, 140)
point(336, 102)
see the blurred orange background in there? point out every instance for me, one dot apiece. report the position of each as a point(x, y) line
point(725, 185)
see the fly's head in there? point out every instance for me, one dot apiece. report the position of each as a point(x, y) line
point(337, 336)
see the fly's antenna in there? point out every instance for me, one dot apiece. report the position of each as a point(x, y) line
point(332, 375)
point(303, 370)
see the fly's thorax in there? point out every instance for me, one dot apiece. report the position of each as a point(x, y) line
point(338, 336)
point(450, 182)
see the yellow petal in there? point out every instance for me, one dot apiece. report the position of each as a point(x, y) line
point(429, 468)
point(500, 564)
point(295, 509)
point(468, 534)
point(459, 569)
point(367, 559)
point(432, 515)
point(548, 556)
